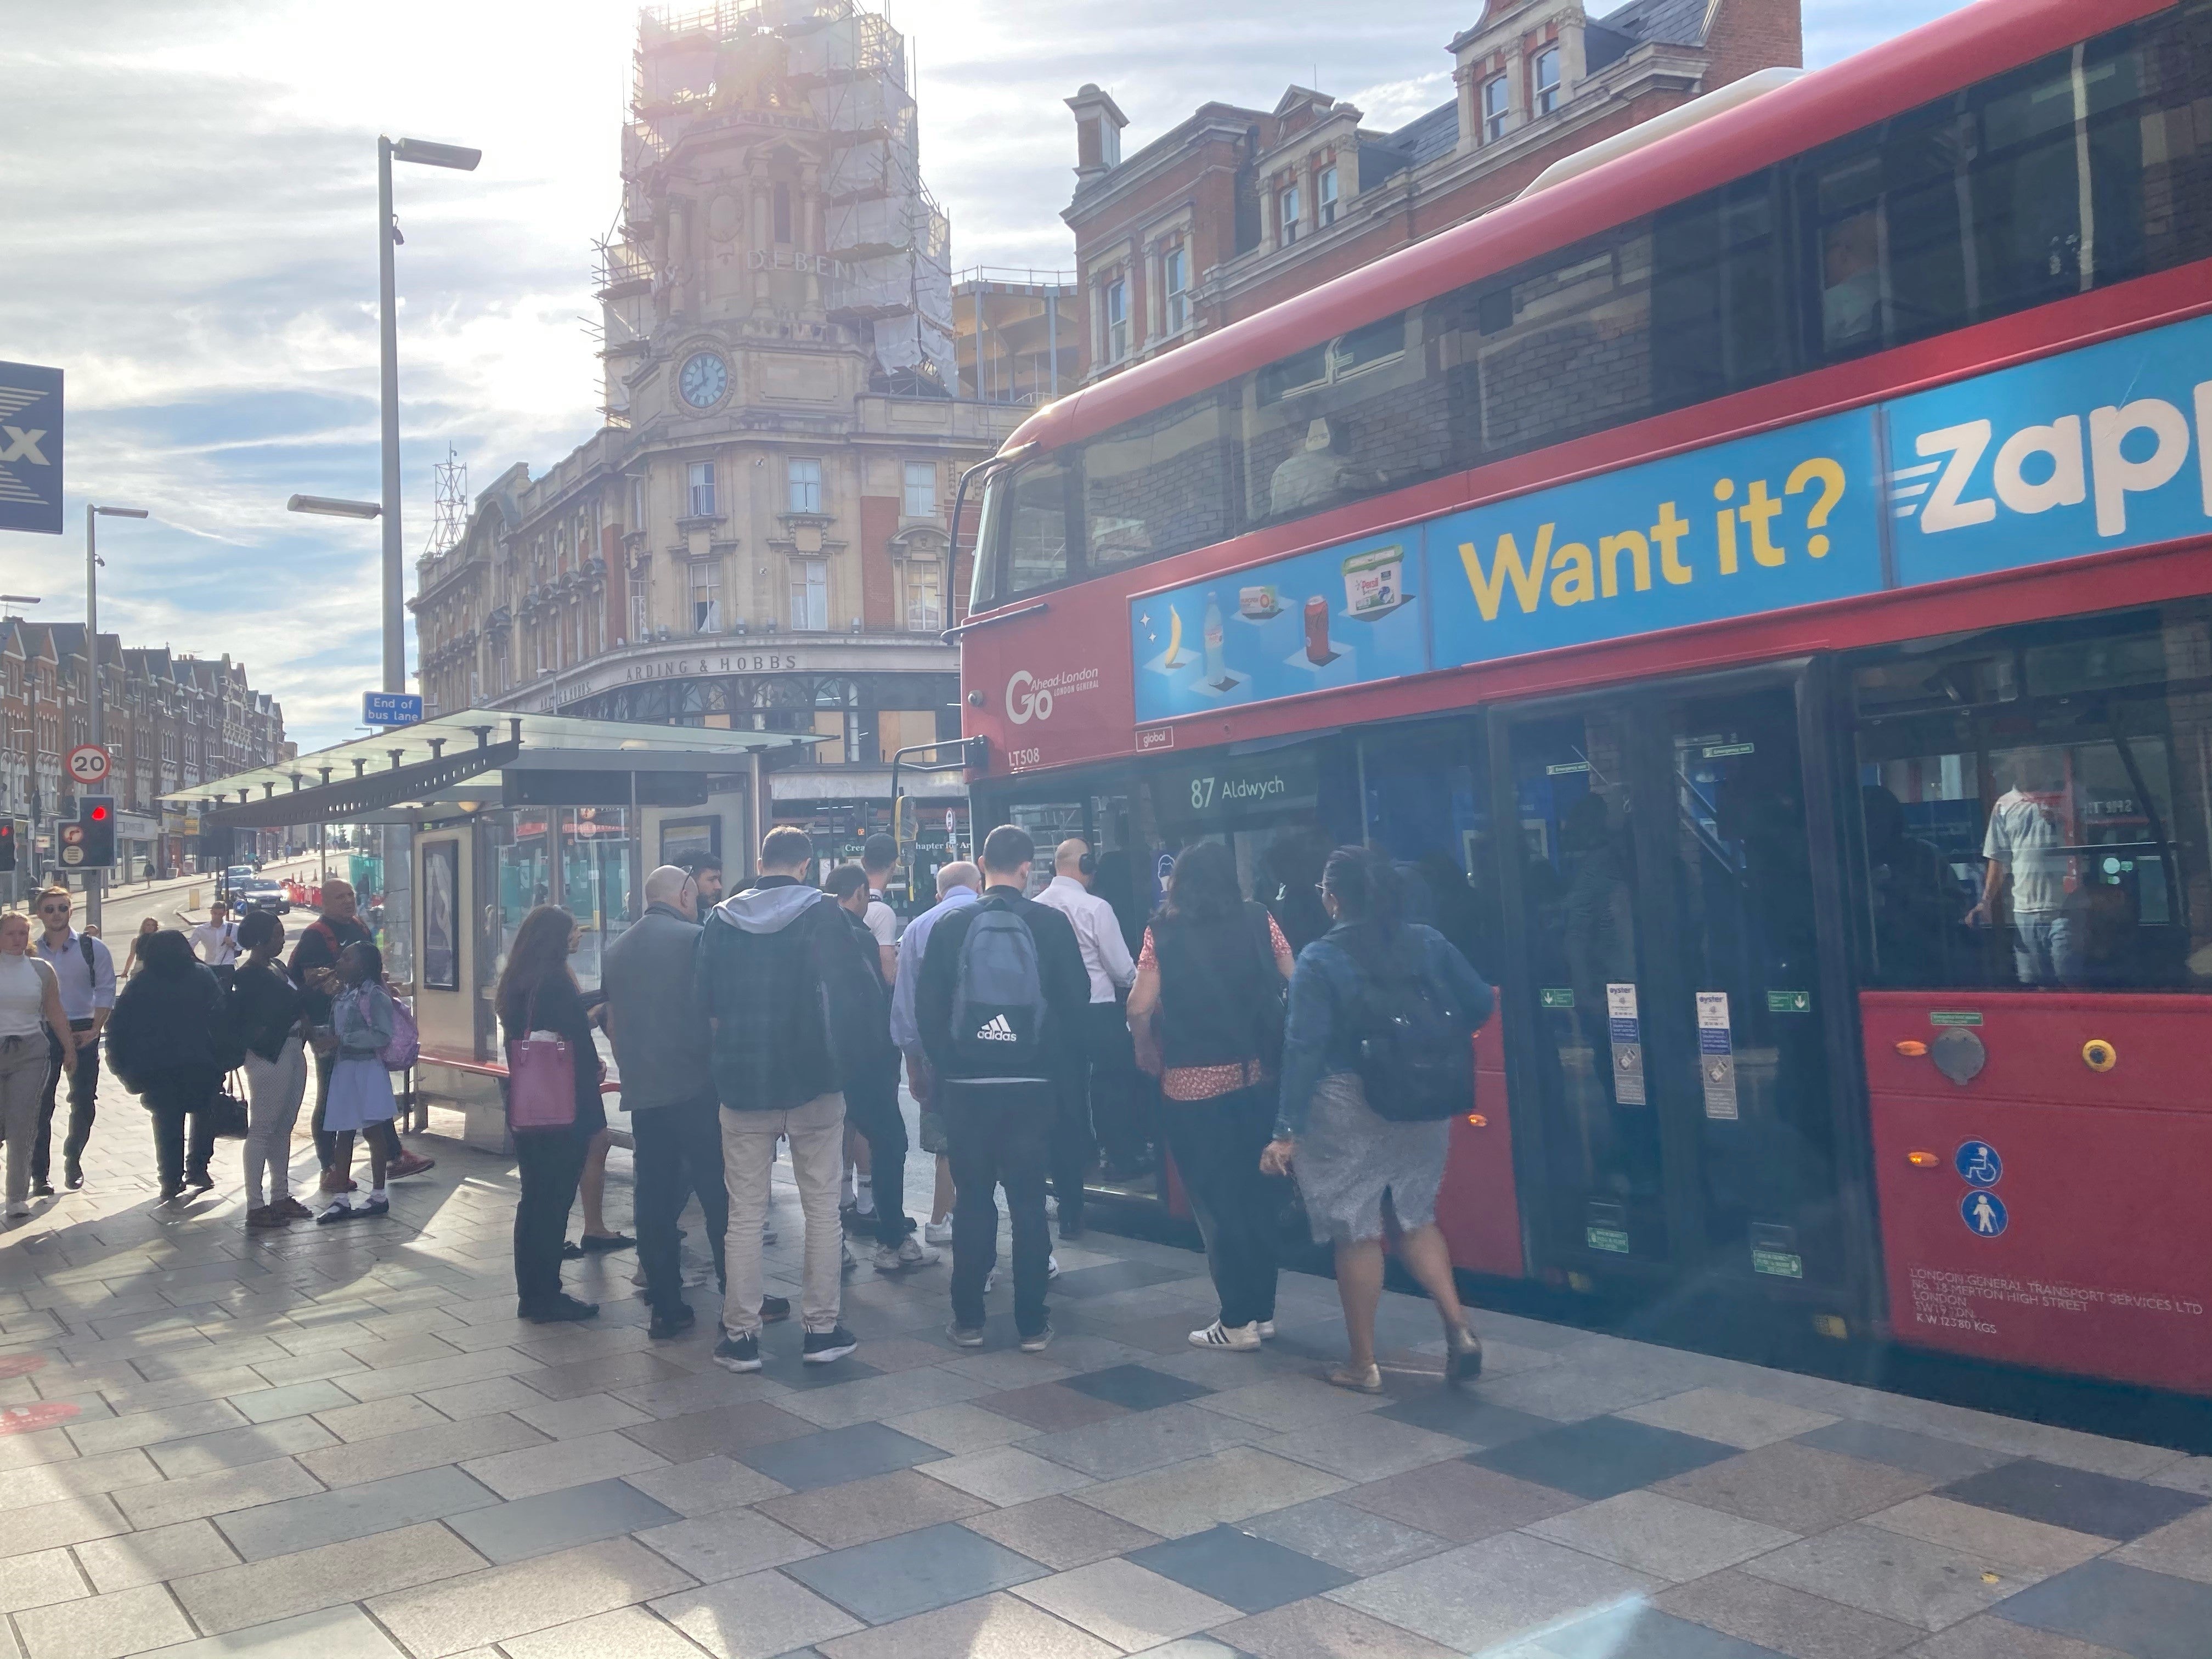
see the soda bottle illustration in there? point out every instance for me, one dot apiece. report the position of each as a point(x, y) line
point(1317, 647)
point(1216, 672)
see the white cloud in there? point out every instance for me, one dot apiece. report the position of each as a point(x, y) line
point(189, 192)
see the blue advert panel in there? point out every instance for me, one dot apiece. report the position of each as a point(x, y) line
point(2109, 446)
point(1337, 616)
point(2093, 450)
point(1784, 519)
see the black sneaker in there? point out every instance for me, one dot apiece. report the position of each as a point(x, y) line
point(42, 1190)
point(964, 1336)
point(774, 1309)
point(674, 1323)
point(822, 1346)
point(199, 1181)
point(72, 1173)
point(562, 1309)
point(1071, 1227)
point(738, 1353)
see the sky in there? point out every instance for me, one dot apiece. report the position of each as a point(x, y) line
point(188, 192)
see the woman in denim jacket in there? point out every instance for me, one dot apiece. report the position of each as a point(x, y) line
point(1360, 1174)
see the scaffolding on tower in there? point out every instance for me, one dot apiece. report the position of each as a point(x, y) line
point(449, 512)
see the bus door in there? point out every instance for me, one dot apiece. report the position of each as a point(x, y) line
point(1676, 1058)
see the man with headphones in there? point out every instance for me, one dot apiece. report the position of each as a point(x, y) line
point(1111, 1060)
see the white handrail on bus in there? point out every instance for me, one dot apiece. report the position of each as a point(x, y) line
point(1663, 125)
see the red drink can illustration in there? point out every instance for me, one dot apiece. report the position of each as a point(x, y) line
point(1317, 629)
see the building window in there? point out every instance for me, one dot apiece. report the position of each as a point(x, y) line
point(1547, 79)
point(924, 596)
point(1325, 197)
point(783, 213)
point(1117, 320)
point(1174, 272)
point(1497, 105)
point(641, 603)
point(809, 595)
point(637, 503)
point(1286, 204)
point(707, 596)
point(803, 486)
point(702, 489)
point(920, 489)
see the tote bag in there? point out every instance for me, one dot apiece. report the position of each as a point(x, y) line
point(541, 1078)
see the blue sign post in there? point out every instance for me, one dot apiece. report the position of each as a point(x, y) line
point(390, 708)
point(30, 448)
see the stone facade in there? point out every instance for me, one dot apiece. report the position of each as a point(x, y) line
point(760, 536)
point(1236, 208)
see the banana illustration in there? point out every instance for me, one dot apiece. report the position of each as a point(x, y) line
point(1174, 657)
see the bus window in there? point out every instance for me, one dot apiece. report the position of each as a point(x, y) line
point(1036, 529)
point(2036, 805)
point(1159, 484)
point(1428, 808)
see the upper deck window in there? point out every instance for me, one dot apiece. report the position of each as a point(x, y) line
point(2081, 170)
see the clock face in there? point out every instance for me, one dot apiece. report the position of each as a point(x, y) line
point(704, 377)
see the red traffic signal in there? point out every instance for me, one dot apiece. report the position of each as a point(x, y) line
point(96, 817)
point(99, 812)
point(6, 845)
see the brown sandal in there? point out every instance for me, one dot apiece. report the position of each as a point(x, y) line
point(1367, 1381)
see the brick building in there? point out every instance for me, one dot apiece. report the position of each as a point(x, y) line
point(1236, 208)
point(167, 721)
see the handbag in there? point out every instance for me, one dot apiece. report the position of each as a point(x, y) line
point(227, 1112)
point(541, 1078)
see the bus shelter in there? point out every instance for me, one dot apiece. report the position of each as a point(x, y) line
point(462, 824)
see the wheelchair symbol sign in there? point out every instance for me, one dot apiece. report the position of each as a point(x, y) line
point(1978, 1164)
point(1984, 1214)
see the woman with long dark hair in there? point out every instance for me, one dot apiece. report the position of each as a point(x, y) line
point(538, 992)
point(268, 1016)
point(164, 1042)
point(1207, 1012)
point(1363, 1173)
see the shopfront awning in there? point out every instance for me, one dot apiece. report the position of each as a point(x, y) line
point(458, 764)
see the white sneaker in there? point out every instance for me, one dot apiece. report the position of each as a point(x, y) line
point(1218, 1335)
point(908, 1252)
point(1265, 1328)
point(19, 1206)
point(936, 1232)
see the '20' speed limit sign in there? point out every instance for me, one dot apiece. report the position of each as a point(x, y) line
point(87, 763)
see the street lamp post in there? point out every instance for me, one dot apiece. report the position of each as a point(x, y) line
point(388, 235)
point(91, 515)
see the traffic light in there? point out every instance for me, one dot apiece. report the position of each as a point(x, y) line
point(96, 813)
point(7, 846)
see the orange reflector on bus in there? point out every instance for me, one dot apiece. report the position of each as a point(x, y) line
point(1912, 1048)
point(1476, 1120)
point(1923, 1160)
point(1832, 1325)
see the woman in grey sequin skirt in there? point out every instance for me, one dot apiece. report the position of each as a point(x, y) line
point(1358, 1171)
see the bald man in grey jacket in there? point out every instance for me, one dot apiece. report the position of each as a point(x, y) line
point(661, 1051)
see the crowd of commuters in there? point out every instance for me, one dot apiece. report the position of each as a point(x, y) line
point(1320, 1038)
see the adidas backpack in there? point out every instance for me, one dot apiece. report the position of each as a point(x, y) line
point(997, 997)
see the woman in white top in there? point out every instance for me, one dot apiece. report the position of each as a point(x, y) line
point(131, 961)
point(30, 1008)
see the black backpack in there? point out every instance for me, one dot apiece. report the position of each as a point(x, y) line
point(997, 997)
point(1416, 1056)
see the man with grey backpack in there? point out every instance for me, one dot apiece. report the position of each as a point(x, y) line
point(1000, 1005)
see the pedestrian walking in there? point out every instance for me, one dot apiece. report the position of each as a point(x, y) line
point(314, 969)
point(959, 884)
point(87, 976)
point(1207, 1012)
point(214, 941)
point(872, 1104)
point(781, 985)
point(360, 1097)
point(1377, 1061)
point(31, 1018)
point(1001, 1007)
point(537, 995)
point(167, 1043)
point(131, 957)
point(667, 1087)
point(1102, 1094)
point(856, 1200)
point(267, 1016)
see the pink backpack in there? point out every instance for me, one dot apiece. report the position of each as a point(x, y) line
point(406, 1044)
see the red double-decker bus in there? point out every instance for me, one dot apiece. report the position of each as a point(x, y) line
point(1761, 592)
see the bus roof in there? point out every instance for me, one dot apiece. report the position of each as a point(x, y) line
point(1982, 40)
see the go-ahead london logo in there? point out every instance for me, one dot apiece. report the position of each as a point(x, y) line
point(1029, 698)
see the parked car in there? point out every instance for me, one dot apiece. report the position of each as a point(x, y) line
point(260, 893)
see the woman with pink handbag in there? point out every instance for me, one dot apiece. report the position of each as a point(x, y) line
point(553, 1104)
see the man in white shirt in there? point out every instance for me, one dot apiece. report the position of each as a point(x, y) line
point(2026, 843)
point(86, 976)
point(215, 941)
point(1105, 1095)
